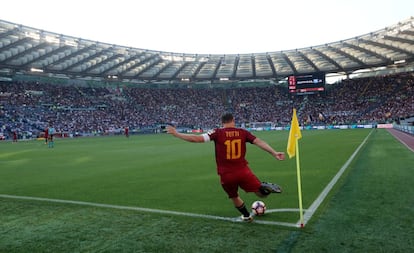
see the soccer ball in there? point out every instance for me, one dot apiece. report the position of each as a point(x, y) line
point(258, 208)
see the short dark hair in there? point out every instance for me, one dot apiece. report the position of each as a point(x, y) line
point(227, 118)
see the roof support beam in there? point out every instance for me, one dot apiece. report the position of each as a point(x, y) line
point(272, 65)
point(351, 57)
point(106, 72)
point(80, 51)
point(389, 47)
point(174, 76)
point(91, 56)
point(13, 44)
point(329, 59)
point(26, 52)
point(235, 66)
point(42, 57)
point(193, 77)
point(369, 52)
point(253, 59)
point(136, 64)
point(290, 63)
point(9, 32)
point(157, 60)
point(398, 39)
point(162, 69)
point(101, 63)
point(308, 61)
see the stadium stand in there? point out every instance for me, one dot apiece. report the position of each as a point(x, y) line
point(92, 88)
point(76, 110)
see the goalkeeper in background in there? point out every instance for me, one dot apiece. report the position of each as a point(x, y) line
point(232, 167)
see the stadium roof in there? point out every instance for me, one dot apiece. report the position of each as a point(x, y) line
point(28, 50)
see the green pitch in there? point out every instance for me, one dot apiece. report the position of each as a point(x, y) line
point(163, 173)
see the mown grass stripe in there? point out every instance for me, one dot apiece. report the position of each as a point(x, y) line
point(318, 201)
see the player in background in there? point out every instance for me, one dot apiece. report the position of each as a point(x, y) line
point(46, 134)
point(126, 132)
point(51, 132)
point(15, 136)
point(232, 167)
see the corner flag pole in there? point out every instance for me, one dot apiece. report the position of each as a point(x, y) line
point(302, 224)
point(293, 150)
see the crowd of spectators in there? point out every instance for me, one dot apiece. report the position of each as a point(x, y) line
point(381, 99)
point(29, 107)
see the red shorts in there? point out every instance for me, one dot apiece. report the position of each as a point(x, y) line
point(244, 179)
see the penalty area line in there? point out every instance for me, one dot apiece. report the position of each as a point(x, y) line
point(318, 201)
point(142, 209)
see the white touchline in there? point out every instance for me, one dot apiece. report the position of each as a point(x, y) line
point(142, 209)
point(318, 201)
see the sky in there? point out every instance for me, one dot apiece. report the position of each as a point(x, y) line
point(209, 26)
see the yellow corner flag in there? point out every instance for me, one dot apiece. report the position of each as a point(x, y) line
point(294, 135)
point(292, 150)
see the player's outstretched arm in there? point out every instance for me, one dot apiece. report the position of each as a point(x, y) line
point(187, 137)
point(266, 147)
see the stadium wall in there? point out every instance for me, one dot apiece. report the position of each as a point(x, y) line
point(405, 128)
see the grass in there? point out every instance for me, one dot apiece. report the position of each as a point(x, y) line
point(372, 210)
point(161, 172)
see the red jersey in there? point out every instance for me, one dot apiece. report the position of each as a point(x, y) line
point(230, 148)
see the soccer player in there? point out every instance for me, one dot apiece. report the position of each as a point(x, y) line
point(232, 167)
point(51, 132)
point(15, 136)
point(46, 134)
